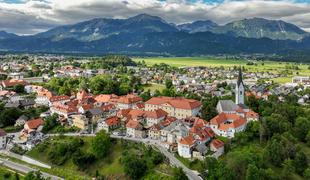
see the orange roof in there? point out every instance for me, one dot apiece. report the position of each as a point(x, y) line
point(104, 98)
point(13, 82)
point(217, 143)
point(188, 140)
point(156, 114)
point(81, 94)
point(45, 92)
point(129, 99)
point(251, 114)
point(65, 108)
point(87, 106)
point(112, 121)
point(107, 107)
point(221, 119)
point(123, 112)
point(176, 102)
point(35, 123)
point(59, 98)
point(133, 124)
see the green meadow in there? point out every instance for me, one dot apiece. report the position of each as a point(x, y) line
point(259, 66)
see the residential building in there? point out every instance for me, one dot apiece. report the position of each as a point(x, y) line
point(128, 101)
point(110, 124)
point(227, 124)
point(80, 121)
point(135, 129)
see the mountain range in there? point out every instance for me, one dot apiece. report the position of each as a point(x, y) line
point(151, 35)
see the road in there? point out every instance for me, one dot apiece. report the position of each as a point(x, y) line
point(193, 175)
point(25, 169)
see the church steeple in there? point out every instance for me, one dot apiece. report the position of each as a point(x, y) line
point(240, 89)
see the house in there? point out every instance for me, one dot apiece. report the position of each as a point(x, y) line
point(110, 124)
point(175, 106)
point(186, 146)
point(227, 125)
point(64, 110)
point(11, 83)
point(217, 146)
point(33, 125)
point(154, 131)
point(58, 99)
point(27, 103)
point(135, 129)
point(106, 98)
point(2, 139)
point(43, 97)
point(95, 114)
point(21, 121)
point(80, 121)
point(128, 101)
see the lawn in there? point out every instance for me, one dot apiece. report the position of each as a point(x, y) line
point(260, 66)
point(110, 167)
point(153, 87)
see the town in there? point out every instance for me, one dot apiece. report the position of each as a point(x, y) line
point(46, 96)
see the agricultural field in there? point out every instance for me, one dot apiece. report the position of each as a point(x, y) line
point(258, 66)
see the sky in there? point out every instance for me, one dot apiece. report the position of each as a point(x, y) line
point(34, 16)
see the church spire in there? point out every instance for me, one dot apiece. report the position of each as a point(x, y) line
point(240, 89)
point(239, 77)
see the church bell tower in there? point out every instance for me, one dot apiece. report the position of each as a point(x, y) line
point(240, 89)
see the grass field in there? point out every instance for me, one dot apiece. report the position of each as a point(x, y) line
point(154, 87)
point(266, 66)
point(110, 166)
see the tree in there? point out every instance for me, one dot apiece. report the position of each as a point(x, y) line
point(178, 174)
point(50, 123)
point(307, 173)
point(168, 83)
point(288, 167)
point(16, 176)
point(19, 88)
point(101, 144)
point(82, 160)
point(252, 172)
point(302, 128)
point(134, 167)
point(300, 162)
point(34, 176)
point(308, 138)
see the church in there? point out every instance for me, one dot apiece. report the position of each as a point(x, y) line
point(233, 116)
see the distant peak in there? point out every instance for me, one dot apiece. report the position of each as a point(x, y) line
point(145, 16)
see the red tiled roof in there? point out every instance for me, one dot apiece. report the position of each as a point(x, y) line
point(13, 82)
point(35, 123)
point(188, 140)
point(177, 102)
point(59, 98)
point(112, 121)
point(2, 133)
point(107, 107)
point(251, 114)
point(123, 112)
point(220, 120)
point(217, 143)
point(159, 113)
point(104, 98)
point(133, 124)
point(129, 99)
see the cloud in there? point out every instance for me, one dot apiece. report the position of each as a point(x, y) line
point(32, 16)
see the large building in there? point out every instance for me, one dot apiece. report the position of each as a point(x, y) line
point(177, 107)
point(233, 116)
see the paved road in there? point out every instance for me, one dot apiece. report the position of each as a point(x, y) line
point(193, 175)
point(25, 169)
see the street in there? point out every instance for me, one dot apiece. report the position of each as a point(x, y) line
point(25, 169)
